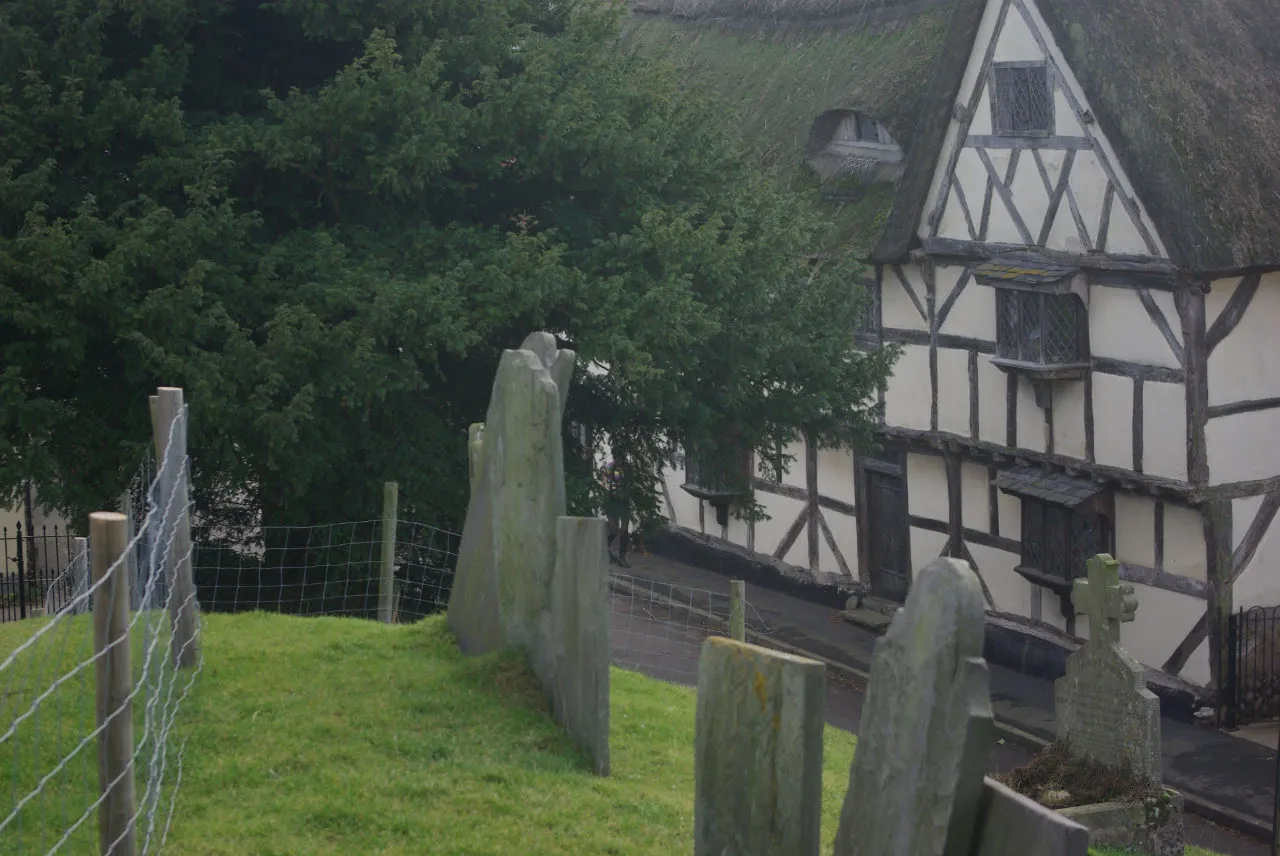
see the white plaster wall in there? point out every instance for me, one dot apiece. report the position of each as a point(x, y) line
point(1197, 668)
point(1031, 423)
point(737, 531)
point(1259, 585)
point(1068, 420)
point(1184, 547)
point(782, 511)
point(1113, 420)
point(953, 391)
point(982, 121)
point(927, 487)
point(975, 497)
point(1135, 526)
point(794, 461)
point(908, 400)
point(1164, 430)
point(993, 408)
point(1030, 197)
point(925, 547)
point(1243, 366)
point(1121, 329)
point(835, 474)
point(897, 309)
point(973, 314)
point(845, 531)
point(1010, 508)
point(953, 223)
point(684, 505)
point(1001, 228)
point(1242, 446)
point(1010, 592)
point(1162, 621)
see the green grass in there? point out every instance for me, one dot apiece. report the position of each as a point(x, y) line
point(318, 736)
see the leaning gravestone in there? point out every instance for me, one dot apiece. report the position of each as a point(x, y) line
point(926, 730)
point(528, 577)
point(1104, 709)
point(757, 752)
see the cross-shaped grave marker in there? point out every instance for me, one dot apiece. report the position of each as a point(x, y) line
point(1104, 599)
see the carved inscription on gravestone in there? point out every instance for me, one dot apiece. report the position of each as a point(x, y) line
point(1104, 708)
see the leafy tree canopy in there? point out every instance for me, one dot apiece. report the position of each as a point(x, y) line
point(325, 220)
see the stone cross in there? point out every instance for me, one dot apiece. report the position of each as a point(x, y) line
point(1104, 599)
point(1103, 707)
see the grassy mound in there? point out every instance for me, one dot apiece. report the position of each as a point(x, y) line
point(1076, 781)
point(327, 736)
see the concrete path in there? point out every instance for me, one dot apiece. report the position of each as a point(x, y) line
point(1229, 776)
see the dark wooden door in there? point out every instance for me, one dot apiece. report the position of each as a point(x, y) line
point(888, 533)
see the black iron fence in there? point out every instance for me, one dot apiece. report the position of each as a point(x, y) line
point(34, 576)
point(1252, 687)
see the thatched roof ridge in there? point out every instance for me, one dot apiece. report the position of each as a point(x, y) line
point(828, 12)
point(1188, 92)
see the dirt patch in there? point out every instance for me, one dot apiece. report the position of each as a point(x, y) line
point(1056, 779)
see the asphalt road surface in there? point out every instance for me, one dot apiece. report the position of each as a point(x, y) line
point(651, 637)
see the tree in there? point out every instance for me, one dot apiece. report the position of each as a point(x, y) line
point(326, 220)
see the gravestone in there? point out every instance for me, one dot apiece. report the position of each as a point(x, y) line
point(505, 561)
point(1104, 709)
point(757, 752)
point(916, 787)
point(579, 628)
point(926, 728)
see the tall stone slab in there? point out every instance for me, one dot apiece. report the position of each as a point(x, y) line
point(916, 782)
point(1104, 709)
point(1009, 823)
point(501, 590)
point(579, 682)
point(757, 752)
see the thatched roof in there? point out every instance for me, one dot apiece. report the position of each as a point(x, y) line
point(1188, 91)
point(783, 63)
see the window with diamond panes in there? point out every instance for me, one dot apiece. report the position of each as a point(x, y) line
point(1058, 541)
point(1023, 102)
point(1039, 328)
point(869, 325)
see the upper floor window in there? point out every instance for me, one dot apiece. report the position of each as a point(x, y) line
point(867, 335)
point(1038, 327)
point(1022, 99)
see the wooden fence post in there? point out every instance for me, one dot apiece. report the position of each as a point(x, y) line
point(386, 583)
point(738, 610)
point(184, 642)
point(117, 834)
point(126, 508)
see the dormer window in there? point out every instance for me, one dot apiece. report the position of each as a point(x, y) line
point(850, 149)
point(1022, 99)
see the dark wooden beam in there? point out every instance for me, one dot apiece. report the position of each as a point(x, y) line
point(974, 432)
point(943, 340)
point(811, 483)
point(1189, 300)
point(1067, 144)
point(1161, 272)
point(1217, 537)
point(955, 509)
point(1088, 417)
point(1159, 535)
point(1137, 424)
point(1108, 199)
point(986, 211)
point(1231, 314)
point(1169, 582)
point(834, 547)
point(1162, 323)
point(1005, 195)
point(974, 536)
point(993, 501)
point(931, 306)
point(860, 522)
point(945, 310)
point(792, 534)
point(1178, 659)
point(964, 553)
point(1055, 192)
point(1011, 411)
point(1253, 536)
point(1217, 411)
point(1082, 230)
point(911, 292)
point(958, 189)
point(1241, 489)
point(1138, 371)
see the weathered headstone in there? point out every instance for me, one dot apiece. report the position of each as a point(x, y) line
point(1009, 823)
point(757, 752)
point(1104, 708)
point(917, 775)
point(502, 583)
point(579, 682)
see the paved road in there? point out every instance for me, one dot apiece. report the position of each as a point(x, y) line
point(651, 637)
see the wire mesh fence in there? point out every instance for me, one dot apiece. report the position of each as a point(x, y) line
point(328, 569)
point(90, 703)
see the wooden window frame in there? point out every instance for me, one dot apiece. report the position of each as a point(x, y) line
point(997, 99)
point(1061, 578)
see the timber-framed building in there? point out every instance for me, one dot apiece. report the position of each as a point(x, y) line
point(1070, 211)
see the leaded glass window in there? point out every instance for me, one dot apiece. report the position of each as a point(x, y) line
point(1023, 102)
point(868, 331)
point(1035, 327)
point(1059, 541)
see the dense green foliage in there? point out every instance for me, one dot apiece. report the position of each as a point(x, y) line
point(325, 220)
